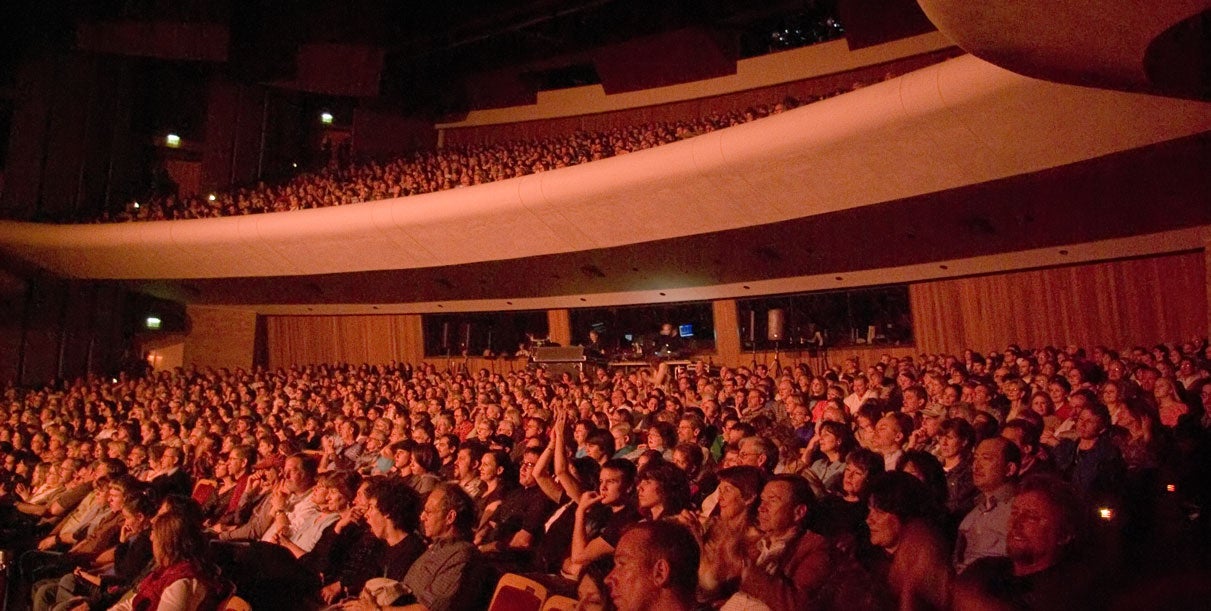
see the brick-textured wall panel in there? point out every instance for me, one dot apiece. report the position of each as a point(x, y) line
point(220, 337)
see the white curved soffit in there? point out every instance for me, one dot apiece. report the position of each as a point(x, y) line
point(958, 123)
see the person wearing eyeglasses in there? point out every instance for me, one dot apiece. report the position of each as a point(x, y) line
point(515, 527)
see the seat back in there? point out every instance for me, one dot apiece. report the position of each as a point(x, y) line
point(235, 603)
point(517, 593)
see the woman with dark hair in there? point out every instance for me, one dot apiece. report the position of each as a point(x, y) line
point(662, 436)
point(731, 534)
point(662, 490)
point(592, 593)
point(689, 458)
point(182, 579)
point(424, 468)
point(956, 438)
point(843, 516)
point(499, 476)
point(914, 559)
point(836, 441)
point(926, 467)
point(1092, 462)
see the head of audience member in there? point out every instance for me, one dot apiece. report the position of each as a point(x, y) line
point(591, 591)
point(662, 489)
point(955, 440)
point(836, 439)
point(299, 473)
point(739, 490)
point(240, 460)
point(1092, 421)
point(689, 458)
point(616, 482)
point(339, 488)
point(891, 431)
point(137, 512)
point(176, 538)
point(525, 470)
point(496, 469)
point(466, 462)
point(927, 468)
point(392, 508)
point(1046, 521)
point(661, 436)
point(785, 502)
point(897, 499)
point(655, 567)
point(861, 467)
point(448, 514)
point(758, 452)
point(599, 445)
point(995, 463)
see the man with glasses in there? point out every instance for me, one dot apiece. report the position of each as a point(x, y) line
point(516, 526)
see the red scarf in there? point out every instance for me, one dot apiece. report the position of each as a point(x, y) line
point(233, 504)
point(149, 591)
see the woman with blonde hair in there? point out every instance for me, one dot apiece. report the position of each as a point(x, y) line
point(1168, 405)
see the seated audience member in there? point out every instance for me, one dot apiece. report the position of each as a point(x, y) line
point(233, 500)
point(103, 535)
point(655, 567)
point(592, 594)
point(496, 471)
point(842, 517)
point(170, 478)
point(955, 442)
point(100, 587)
point(915, 563)
point(593, 541)
point(791, 563)
point(731, 534)
point(61, 493)
point(93, 507)
point(181, 577)
point(442, 573)
point(424, 468)
point(891, 431)
point(1042, 568)
point(983, 532)
point(835, 442)
point(1035, 459)
point(393, 517)
point(291, 496)
point(299, 532)
point(1092, 462)
point(517, 525)
point(663, 491)
point(758, 452)
point(466, 468)
point(928, 469)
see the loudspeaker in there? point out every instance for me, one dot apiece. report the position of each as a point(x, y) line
point(776, 325)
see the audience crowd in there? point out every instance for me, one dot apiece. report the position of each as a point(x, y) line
point(1024, 479)
point(451, 167)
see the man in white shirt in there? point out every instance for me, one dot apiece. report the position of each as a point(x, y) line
point(861, 392)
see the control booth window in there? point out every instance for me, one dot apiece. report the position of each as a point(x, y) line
point(867, 316)
point(636, 331)
point(482, 333)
